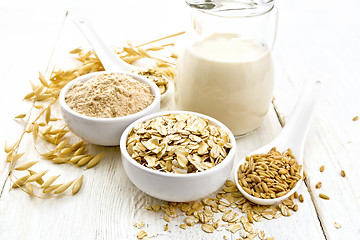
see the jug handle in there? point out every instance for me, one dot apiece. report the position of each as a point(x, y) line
point(276, 28)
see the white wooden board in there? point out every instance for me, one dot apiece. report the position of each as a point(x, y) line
point(317, 45)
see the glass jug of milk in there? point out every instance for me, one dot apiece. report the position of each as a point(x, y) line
point(225, 68)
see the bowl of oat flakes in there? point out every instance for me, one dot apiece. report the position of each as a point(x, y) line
point(178, 155)
point(99, 106)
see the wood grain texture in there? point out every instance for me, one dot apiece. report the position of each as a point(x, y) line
point(309, 49)
point(108, 204)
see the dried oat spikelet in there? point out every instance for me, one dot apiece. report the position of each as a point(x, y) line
point(35, 131)
point(20, 182)
point(13, 158)
point(95, 160)
point(84, 161)
point(51, 188)
point(43, 80)
point(29, 188)
point(77, 185)
point(50, 181)
point(62, 144)
point(20, 116)
point(77, 145)
point(79, 151)
point(60, 160)
point(9, 148)
point(48, 114)
point(25, 166)
point(66, 151)
point(63, 187)
point(29, 96)
point(38, 106)
point(76, 159)
point(36, 176)
point(76, 50)
point(42, 124)
point(39, 181)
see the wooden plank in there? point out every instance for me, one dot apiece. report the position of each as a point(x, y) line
point(26, 46)
point(309, 49)
point(110, 209)
point(115, 207)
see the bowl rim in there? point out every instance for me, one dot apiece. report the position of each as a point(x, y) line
point(218, 167)
point(154, 90)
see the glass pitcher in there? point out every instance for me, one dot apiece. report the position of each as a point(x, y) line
point(225, 69)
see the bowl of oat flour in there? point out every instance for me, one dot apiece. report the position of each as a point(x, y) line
point(99, 106)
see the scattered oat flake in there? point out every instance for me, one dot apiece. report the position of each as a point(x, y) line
point(207, 228)
point(183, 226)
point(178, 143)
point(261, 235)
point(234, 228)
point(248, 227)
point(285, 211)
point(141, 234)
point(337, 225)
point(139, 224)
point(166, 218)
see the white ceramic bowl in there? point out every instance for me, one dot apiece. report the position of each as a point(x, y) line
point(104, 131)
point(177, 187)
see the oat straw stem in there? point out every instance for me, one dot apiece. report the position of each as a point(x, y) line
point(163, 38)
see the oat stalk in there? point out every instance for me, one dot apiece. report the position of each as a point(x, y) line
point(48, 90)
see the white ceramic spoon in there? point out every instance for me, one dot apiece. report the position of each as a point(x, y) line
point(292, 136)
point(110, 60)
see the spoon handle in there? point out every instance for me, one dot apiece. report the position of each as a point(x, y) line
point(107, 56)
point(296, 128)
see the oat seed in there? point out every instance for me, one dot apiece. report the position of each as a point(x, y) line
point(318, 185)
point(337, 225)
point(323, 196)
point(301, 198)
